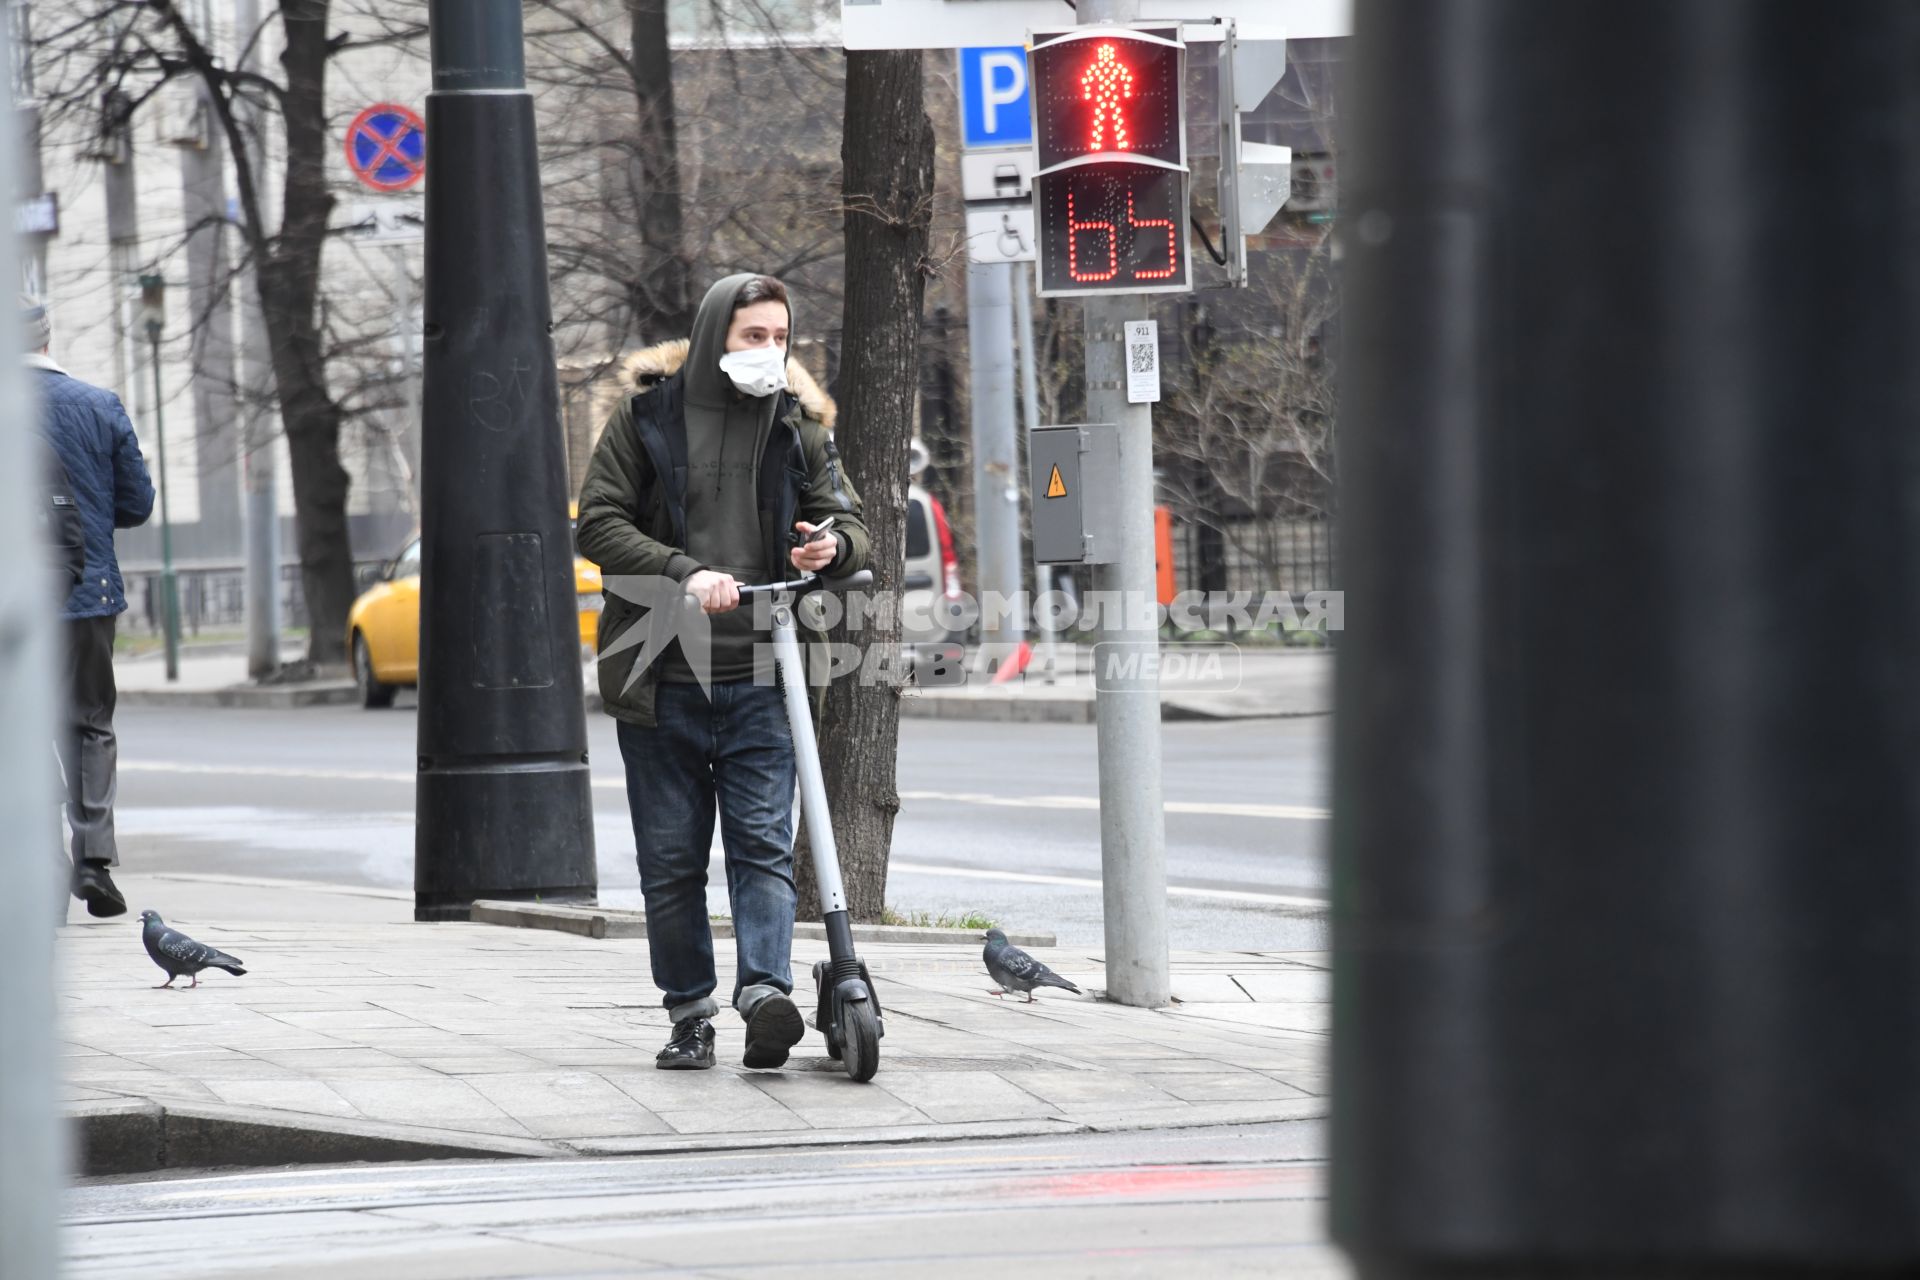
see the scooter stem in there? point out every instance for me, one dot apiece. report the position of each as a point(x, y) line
point(806, 752)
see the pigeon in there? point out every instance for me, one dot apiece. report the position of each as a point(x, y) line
point(1015, 970)
point(178, 954)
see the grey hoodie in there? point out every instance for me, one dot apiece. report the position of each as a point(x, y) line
point(726, 438)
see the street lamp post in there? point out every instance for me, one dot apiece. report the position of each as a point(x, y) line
point(153, 311)
point(504, 801)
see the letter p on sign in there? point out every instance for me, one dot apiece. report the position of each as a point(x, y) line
point(1005, 77)
point(993, 97)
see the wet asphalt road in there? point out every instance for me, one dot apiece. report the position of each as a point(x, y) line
point(997, 818)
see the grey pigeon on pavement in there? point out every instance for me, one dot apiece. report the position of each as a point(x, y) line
point(180, 955)
point(1015, 970)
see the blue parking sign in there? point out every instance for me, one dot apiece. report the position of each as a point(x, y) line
point(993, 97)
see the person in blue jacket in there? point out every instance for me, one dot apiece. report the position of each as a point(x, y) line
point(89, 431)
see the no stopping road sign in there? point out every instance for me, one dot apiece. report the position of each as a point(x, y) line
point(387, 147)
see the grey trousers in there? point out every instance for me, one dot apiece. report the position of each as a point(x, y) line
point(89, 753)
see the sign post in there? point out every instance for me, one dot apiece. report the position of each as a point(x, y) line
point(997, 126)
point(387, 150)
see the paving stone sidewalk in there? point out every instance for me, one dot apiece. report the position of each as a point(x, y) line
point(353, 1014)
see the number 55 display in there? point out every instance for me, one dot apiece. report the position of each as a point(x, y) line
point(1112, 228)
point(1110, 192)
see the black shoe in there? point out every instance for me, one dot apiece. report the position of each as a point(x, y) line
point(773, 1027)
point(691, 1048)
point(94, 886)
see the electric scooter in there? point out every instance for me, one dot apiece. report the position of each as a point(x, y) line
point(849, 1011)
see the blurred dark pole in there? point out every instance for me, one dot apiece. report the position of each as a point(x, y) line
point(503, 808)
point(1627, 819)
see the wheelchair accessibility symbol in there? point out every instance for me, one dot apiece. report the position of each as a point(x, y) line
point(1000, 234)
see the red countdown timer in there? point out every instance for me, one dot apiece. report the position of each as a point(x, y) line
point(1107, 91)
point(1118, 228)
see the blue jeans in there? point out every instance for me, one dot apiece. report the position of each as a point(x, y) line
point(735, 749)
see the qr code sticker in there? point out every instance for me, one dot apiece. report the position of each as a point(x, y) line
point(1142, 358)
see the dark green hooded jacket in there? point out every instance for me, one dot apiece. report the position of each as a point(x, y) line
point(633, 509)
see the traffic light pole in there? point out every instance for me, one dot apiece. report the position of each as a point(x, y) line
point(1133, 830)
point(503, 807)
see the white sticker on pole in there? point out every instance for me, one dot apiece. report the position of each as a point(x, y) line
point(1143, 361)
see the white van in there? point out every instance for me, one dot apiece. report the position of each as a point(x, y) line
point(931, 575)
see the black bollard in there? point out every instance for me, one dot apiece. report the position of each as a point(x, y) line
point(504, 803)
point(1627, 769)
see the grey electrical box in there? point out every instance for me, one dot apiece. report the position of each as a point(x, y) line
point(1076, 476)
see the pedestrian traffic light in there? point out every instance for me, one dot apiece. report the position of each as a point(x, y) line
point(1110, 143)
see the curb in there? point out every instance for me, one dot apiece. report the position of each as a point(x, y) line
point(1004, 710)
point(263, 697)
point(610, 922)
point(142, 1135)
point(145, 1136)
point(1007, 709)
point(1017, 710)
point(148, 1137)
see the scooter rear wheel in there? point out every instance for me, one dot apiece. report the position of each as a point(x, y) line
point(860, 1055)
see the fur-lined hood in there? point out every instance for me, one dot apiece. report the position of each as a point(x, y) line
point(650, 366)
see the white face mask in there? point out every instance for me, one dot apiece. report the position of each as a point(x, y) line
point(757, 371)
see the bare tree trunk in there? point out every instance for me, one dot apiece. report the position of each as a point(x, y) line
point(887, 157)
point(289, 294)
point(288, 271)
point(659, 296)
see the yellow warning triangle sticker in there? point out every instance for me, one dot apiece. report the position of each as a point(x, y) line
point(1056, 487)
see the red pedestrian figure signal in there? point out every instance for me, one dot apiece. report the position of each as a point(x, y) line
point(1111, 205)
point(1107, 83)
point(1114, 93)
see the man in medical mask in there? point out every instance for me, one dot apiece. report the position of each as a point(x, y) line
point(715, 475)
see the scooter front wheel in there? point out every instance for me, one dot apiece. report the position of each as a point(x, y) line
point(860, 1054)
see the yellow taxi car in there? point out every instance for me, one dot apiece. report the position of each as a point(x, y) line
point(383, 627)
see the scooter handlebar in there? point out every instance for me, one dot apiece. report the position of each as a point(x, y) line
point(811, 582)
point(864, 578)
point(814, 582)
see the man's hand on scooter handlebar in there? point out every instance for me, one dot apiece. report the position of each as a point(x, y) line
point(716, 592)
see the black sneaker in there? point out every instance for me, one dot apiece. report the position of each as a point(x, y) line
point(94, 886)
point(773, 1027)
point(691, 1048)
